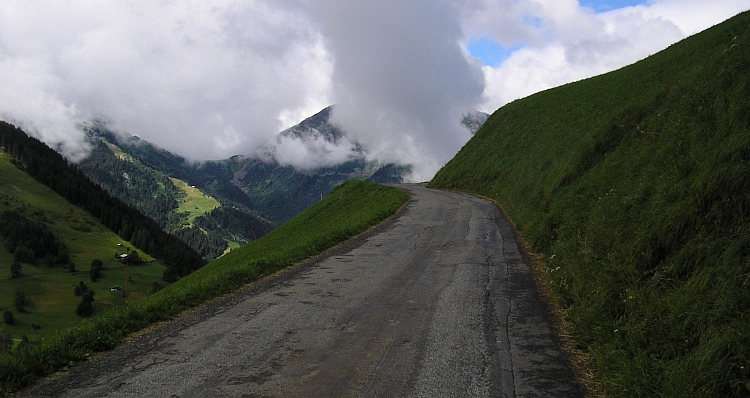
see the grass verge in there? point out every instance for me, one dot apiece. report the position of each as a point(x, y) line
point(347, 211)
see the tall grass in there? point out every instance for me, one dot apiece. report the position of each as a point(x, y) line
point(347, 211)
point(635, 188)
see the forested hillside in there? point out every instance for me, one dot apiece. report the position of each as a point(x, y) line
point(634, 188)
point(58, 263)
point(153, 192)
point(51, 169)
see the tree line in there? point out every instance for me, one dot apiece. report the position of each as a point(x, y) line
point(50, 168)
point(29, 240)
point(211, 232)
point(132, 184)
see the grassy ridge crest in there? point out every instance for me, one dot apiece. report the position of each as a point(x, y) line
point(350, 209)
point(634, 186)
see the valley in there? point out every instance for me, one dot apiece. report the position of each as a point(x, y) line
point(49, 289)
point(627, 194)
point(254, 188)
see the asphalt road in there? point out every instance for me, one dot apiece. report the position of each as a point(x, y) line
point(438, 302)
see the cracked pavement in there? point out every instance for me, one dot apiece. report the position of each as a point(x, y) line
point(439, 301)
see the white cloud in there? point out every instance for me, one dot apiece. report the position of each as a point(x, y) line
point(28, 100)
point(312, 152)
point(401, 80)
point(693, 16)
point(561, 42)
point(209, 79)
point(203, 79)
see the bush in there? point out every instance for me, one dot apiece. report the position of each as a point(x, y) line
point(15, 270)
point(8, 317)
point(20, 301)
point(85, 307)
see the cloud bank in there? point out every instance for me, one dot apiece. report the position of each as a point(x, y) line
point(401, 80)
point(209, 79)
point(555, 42)
point(205, 79)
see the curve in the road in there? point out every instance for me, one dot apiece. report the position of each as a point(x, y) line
point(439, 303)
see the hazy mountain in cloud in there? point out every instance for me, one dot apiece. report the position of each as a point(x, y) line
point(319, 142)
point(400, 78)
point(305, 163)
point(314, 143)
point(310, 159)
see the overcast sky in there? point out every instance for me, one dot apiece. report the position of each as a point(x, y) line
point(210, 79)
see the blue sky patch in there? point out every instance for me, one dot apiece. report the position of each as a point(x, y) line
point(608, 5)
point(489, 51)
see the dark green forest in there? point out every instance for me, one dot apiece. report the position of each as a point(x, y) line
point(29, 240)
point(48, 167)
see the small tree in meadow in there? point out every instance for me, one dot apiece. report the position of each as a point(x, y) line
point(15, 270)
point(85, 307)
point(96, 270)
point(8, 317)
point(80, 289)
point(20, 301)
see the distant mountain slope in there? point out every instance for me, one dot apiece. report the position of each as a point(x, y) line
point(635, 188)
point(118, 168)
point(51, 169)
point(282, 191)
point(255, 192)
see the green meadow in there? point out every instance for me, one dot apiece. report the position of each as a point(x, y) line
point(195, 203)
point(49, 289)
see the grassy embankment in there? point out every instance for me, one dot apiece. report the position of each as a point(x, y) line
point(347, 211)
point(634, 187)
point(49, 289)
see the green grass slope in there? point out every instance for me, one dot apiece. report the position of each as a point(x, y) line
point(634, 186)
point(349, 210)
point(49, 289)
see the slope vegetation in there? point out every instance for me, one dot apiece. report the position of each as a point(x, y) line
point(48, 283)
point(634, 187)
point(125, 170)
point(50, 169)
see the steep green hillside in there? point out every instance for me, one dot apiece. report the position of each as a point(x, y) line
point(48, 284)
point(635, 188)
point(49, 168)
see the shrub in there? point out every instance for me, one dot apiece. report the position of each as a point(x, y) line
point(8, 317)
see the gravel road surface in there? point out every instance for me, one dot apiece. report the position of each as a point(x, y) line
point(437, 302)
